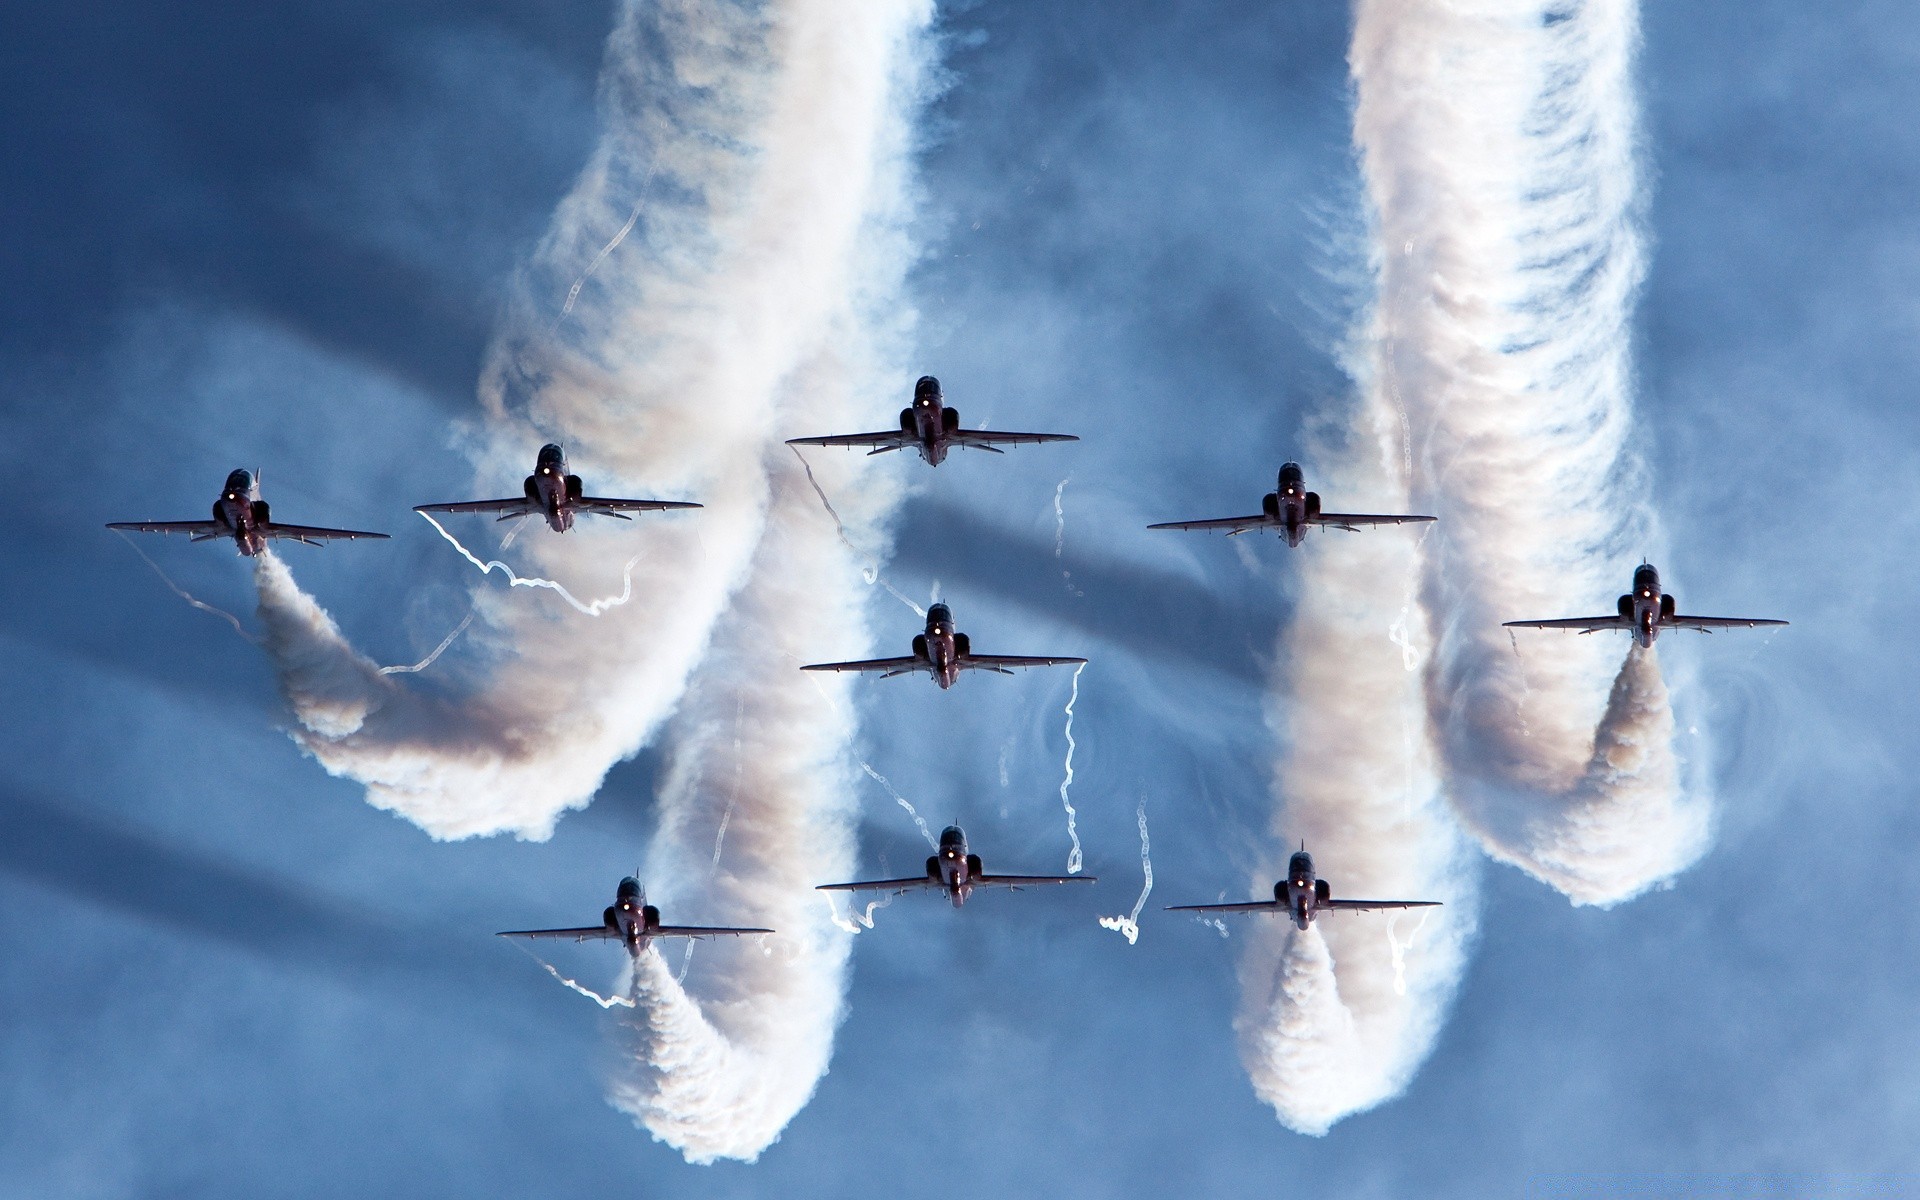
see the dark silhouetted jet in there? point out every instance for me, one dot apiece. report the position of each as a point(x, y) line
point(1290, 512)
point(241, 514)
point(956, 872)
point(634, 922)
point(557, 496)
point(932, 428)
point(943, 654)
point(1302, 896)
point(1644, 612)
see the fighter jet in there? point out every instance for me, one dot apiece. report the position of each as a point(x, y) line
point(955, 871)
point(1290, 512)
point(635, 922)
point(241, 514)
point(1645, 612)
point(1302, 896)
point(932, 428)
point(943, 654)
point(557, 496)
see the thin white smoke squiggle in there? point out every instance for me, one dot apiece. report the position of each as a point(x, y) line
point(591, 608)
point(918, 820)
point(1129, 925)
point(1066, 782)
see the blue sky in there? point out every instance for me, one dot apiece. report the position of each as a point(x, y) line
point(240, 237)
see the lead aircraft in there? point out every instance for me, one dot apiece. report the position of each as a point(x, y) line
point(956, 871)
point(1302, 896)
point(1644, 612)
point(242, 515)
point(556, 495)
point(634, 922)
point(932, 428)
point(1290, 511)
point(942, 653)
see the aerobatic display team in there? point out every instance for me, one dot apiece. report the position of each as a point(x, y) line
point(1504, 410)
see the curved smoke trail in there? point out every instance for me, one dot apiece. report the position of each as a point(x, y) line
point(760, 289)
point(1498, 140)
point(769, 133)
point(1336, 1020)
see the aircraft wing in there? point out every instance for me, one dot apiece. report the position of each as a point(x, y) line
point(1709, 624)
point(620, 508)
point(1366, 905)
point(891, 439)
point(1245, 906)
point(702, 931)
point(1016, 882)
point(1354, 521)
point(882, 885)
point(884, 667)
point(1583, 624)
point(1005, 663)
point(987, 439)
point(516, 507)
point(193, 529)
point(1231, 525)
point(312, 533)
point(578, 935)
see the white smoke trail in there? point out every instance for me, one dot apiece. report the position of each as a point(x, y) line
point(1336, 1021)
point(575, 986)
point(871, 571)
point(1073, 831)
point(855, 922)
point(1060, 534)
point(192, 600)
point(1129, 925)
point(768, 129)
point(913, 812)
point(613, 243)
point(434, 657)
point(591, 608)
point(1499, 144)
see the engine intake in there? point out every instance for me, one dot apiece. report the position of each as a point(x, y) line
point(1313, 504)
point(1270, 504)
point(950, 419)
point(1666, 606)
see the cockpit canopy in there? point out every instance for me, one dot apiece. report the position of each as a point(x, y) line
point(240, 481)
point(552, 455)
point(953, 837)
point(928, 388)
point(1300, 866)
point(630, 888)
point(939, 613)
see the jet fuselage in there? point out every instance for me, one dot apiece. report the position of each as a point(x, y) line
point(929, 420)
point(553, 488)
point(953, 866)
point(1300, 890)
point(941, 646)
point(241, 510)
point(1292, 504)
point(1646, 606)
point(632, 917)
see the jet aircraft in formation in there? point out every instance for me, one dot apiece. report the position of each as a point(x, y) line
point(1302, 895)
point(932, 428)
point(1291, 511)
point(1644, 612)
point(943, 654)
point(242, 515)
point(556, 495)
point(634, 922)
point(956, 871)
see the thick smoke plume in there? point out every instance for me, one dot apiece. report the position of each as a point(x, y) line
point(1499, 145)
point(766, 138)
point(757, 295)
point(1335, 1020)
